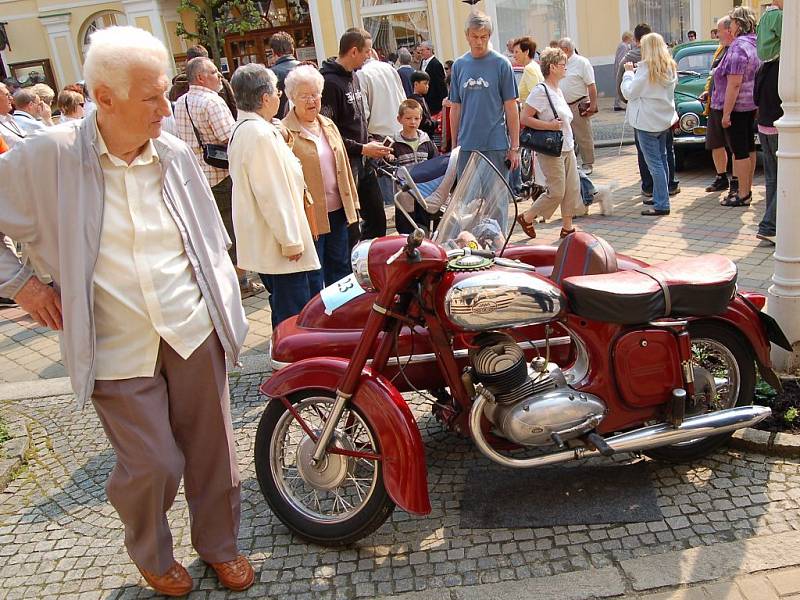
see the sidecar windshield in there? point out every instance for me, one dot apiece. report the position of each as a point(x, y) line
point(477, 214)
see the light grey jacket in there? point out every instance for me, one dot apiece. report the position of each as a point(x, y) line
point(52, 198)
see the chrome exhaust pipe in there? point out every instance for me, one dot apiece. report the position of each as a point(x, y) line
point(663, 434)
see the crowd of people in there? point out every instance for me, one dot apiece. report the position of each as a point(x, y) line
point(146, 235)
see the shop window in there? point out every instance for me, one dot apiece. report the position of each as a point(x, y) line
point(543, 20)
point(670, 19)
point(395, 23)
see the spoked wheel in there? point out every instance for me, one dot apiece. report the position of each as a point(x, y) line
point(335, 502)
point(724, 377)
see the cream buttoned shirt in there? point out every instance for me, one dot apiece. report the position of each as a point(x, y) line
point(144, 287)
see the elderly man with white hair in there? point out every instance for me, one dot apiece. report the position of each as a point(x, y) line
point(437, 91)
point(145, 299)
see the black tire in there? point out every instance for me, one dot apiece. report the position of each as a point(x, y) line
point(705, 333)
point(374, 508)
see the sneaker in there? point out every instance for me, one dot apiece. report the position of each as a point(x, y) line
point(587, 169)
point(647, 194)
point(719, 184)
point(675, 191)
point(770, 239)
point(7, 303)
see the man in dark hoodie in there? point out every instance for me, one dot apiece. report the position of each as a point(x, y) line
point(342, 102)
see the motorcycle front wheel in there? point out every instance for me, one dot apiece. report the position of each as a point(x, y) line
point(335, 502)
point(725, 376)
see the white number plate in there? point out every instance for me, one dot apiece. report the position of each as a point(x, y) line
point(340, 293)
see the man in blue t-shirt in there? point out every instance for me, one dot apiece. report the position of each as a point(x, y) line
point(484, 115)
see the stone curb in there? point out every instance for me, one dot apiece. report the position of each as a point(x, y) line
point(647, 575)
point(771, 443)
point(14, 450)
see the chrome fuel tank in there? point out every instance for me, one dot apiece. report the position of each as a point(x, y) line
point(499, 298)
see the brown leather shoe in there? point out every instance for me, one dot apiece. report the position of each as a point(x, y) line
point(175, 582)
point(236, 574)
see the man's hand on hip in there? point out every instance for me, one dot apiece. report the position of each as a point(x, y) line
point(42, 302)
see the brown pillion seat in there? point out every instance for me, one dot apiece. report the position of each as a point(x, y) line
point(582, 253)
point(696, 286)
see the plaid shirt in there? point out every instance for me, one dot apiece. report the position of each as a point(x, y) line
point(213, 120)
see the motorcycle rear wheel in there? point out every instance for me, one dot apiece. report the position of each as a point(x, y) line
point(721, 352)
point(336, 503)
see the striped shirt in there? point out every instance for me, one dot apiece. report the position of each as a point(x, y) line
point(211, 117)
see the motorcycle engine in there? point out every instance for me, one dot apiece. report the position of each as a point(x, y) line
point(533, 405)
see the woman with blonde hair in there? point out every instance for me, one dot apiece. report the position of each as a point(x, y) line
point(71, 105)
point(649, 87)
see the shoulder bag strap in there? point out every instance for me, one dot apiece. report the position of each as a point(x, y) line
point(196, 132)
point(552, 107)
point(239, 124)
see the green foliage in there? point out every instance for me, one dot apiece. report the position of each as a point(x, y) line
point(214, 19)
point(4, 435)
point(764, 393)
point(790, 415)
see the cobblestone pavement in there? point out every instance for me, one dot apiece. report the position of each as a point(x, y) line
point(697, 225)
point(60, 538)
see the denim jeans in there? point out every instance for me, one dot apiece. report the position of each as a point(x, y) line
point(654, 150)
point(644, 173)
point(496, 157)
point(373, 216)
point(333, 252)
point(769, 149)
point(288, 293)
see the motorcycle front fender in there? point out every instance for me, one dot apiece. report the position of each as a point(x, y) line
point(405, 473)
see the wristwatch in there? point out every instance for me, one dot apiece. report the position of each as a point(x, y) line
point(515, 149)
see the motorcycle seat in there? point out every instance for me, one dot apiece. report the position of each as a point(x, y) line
point(582, 253)
point(681, 287)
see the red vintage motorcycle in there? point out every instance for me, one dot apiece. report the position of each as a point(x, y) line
point(580, 355)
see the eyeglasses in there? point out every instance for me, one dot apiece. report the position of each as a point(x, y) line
point(309, 97)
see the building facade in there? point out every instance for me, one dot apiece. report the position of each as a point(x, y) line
point(48, 37)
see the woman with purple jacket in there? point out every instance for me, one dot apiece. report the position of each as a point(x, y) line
point(734, 80)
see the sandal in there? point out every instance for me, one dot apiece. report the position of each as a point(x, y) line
point(737, 201)
point(565, 232)
point(528, 228)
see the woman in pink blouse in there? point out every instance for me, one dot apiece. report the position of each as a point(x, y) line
point(317, 143)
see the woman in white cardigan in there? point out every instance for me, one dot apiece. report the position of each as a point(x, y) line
point(273, 236)
point(649, 88)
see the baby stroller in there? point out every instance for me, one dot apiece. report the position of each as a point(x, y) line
point(434, 179)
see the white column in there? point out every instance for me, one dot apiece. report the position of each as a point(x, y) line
point(499, 45)
point(151, 10)
point(57, 26)
point(624, 17)
point(696, 20)
point(784, 293)
point(338, 19)
point(316, 30)
point(572, 22)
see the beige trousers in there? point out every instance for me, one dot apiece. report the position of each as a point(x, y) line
point(582, 130)
point(175, 424)
point(563, 186)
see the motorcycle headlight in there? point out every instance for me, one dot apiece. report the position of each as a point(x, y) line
point(689, 121)
point(360, 264)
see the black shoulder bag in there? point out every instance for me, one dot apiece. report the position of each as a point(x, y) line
point(543, 141)
point(215, 155)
